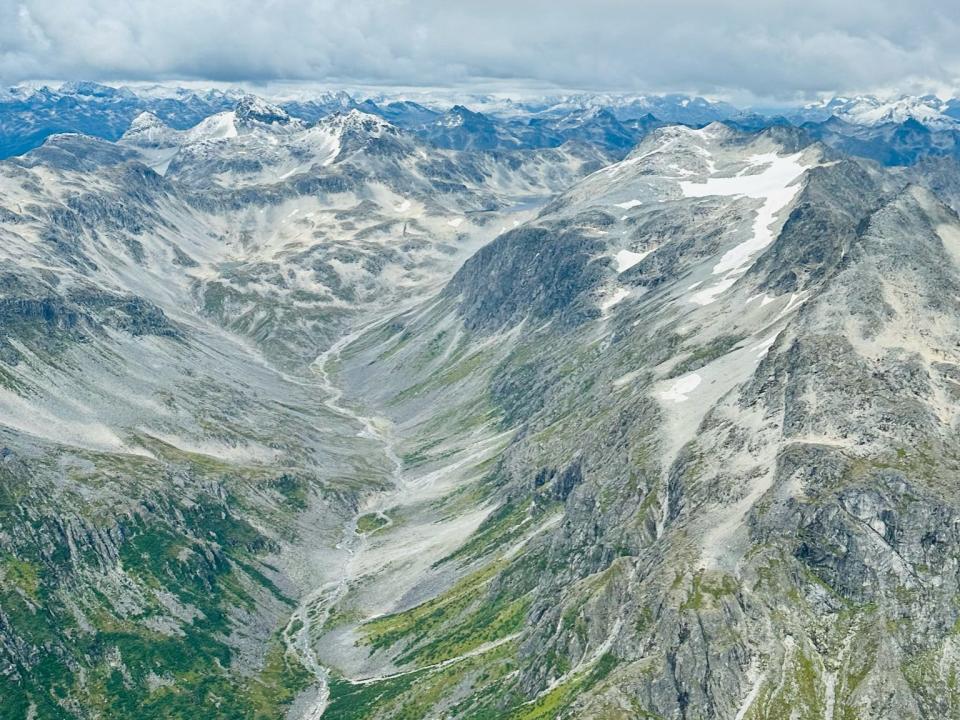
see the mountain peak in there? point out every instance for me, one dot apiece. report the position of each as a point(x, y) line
point(253, 108)
point(146, 121)
point(89, 89)
point(870, 110)
point(357, 121)
point(340, 98)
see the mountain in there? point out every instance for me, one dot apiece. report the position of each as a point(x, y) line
point(403, 113)
point(598, 126)
point(889, 144)
point(870, 110)
point(462, 128)
point(610, 121)
point(27, 118)
point(314, 108)
point(176, 469)
point(671, 108)
point(703, 407)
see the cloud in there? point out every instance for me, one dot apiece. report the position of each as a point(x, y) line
point(764, 49)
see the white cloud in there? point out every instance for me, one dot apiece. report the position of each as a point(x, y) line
point(738, 47)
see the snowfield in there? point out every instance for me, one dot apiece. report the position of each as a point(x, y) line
point(776, 185)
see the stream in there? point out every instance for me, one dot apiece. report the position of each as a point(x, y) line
point(316, 607)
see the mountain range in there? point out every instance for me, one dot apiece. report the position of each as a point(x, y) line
point(892, 131)
point(595, 407)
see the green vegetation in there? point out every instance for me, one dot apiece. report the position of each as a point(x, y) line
point(417, 695)
point(21, 574)
point(350, 701)
point(491, 695)
point(456, 369)
point(458, 621)
point(422, 454)
point(548, 706)
point(370, 523)
point(927, 462)
point(434, 349)
point(708, 589)
point(796, 693)
point(151, 636)
point(10, 381)
point(295, 490)
point(504, 525)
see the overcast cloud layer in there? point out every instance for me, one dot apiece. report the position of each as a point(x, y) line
point(733, 48)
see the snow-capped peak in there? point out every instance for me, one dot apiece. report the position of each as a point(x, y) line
point(340, 98)
point(216, 127)
point(253, 108)
point(869, 110)
point(145, 121)
point(357, 121)
point(252, 116)
point(586, 116)
point(149, 131)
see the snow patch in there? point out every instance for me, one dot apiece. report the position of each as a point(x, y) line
point(776, 184)
point(710, 294)
point(761, 349)
point(626, 259)
point(251, 453)
point(950, 236)
point(762, 297)
point(221, 126)
point(681, 388)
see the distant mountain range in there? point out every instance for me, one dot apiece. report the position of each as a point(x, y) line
point(893, 132)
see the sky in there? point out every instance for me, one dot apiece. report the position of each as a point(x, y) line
point(741, 50)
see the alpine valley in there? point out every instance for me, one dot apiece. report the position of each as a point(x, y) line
point(388, 407)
